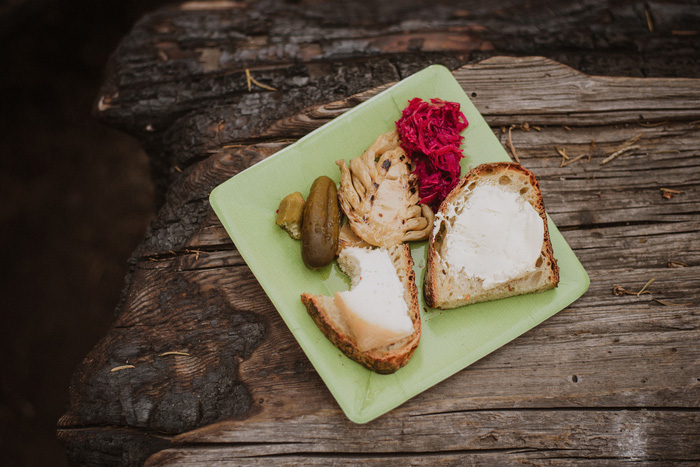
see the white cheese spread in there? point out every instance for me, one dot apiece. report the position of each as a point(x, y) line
point(374, 308)
point(497, 236)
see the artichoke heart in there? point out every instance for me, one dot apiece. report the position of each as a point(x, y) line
point(379, 196)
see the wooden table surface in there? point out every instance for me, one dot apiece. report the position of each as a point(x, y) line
point(199, 368)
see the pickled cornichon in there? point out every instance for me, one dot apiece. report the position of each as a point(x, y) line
point(320, 224)
point(290, 213)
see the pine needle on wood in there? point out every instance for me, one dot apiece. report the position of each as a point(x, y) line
point(645, 287)
point(619, 290)
point(509, 142)
point(665, 303)
point(650, 23)
point(250, 80)
point(571, 161)
point(652, 125)
point(668, 193)
point(617, 153)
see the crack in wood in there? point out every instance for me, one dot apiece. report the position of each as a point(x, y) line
point(191, 251)
point(567, 409)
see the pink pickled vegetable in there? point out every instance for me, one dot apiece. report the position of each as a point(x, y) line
point(430, 135)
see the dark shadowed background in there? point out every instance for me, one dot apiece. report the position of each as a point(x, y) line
point(76, 198)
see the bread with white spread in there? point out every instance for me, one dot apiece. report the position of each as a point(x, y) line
point(490, 240)
point(377, 322)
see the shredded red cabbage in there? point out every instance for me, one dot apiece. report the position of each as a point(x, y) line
point(430, 135)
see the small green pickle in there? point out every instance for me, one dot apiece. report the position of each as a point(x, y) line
point(290, 214)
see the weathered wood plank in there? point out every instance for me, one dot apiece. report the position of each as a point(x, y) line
point(531, 435)
point(186, 203)
point(518, 457)
point(187, 246)
point(583, 194)
point(547, 93)
point(182, 70)
point(612, 379)
point(551, 94)
point(595, 354)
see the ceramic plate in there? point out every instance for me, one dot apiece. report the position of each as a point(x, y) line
point(451, 340)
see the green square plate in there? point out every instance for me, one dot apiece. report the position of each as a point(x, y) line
point(451, 340)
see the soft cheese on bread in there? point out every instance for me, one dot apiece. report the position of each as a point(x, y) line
point(374, 308)
point(376, 322)
point(490, 239)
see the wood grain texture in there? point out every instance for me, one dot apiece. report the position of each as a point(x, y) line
point(209, 373)
point(481, 437)
point(606, 361)
point(178, 81)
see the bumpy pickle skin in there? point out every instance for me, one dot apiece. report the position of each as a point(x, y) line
point(290, 213)
point(321, 224)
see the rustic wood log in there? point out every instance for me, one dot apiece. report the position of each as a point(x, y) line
point(178, 81)
point(199, 367)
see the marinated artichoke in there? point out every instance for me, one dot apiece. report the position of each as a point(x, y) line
point(379, 196)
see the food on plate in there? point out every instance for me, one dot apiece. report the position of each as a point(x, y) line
point(377, 322)
point(321, 224)
point(430, 134)
point(289, 214)
point(490, 239)
point(348, 238)
point(374, 308)
point(378, 195)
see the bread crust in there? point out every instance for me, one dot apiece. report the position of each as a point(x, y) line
point(383, 360)
point(431, 292)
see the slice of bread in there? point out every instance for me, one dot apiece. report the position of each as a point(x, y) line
point(330, 320)
point(443, 286)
